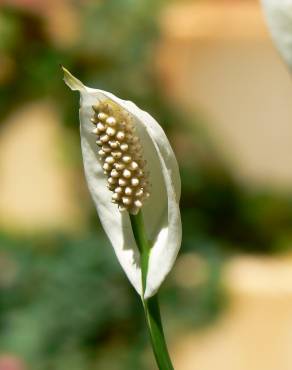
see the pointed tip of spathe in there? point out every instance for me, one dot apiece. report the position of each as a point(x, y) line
point(72, 81)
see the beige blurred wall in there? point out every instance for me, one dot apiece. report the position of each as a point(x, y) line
point(216, 58)
point(39, 188)
point(255, 330)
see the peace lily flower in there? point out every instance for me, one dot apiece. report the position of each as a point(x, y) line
point(279, 19)
point(129, 165)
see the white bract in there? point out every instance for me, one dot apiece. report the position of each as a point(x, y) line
point(129, 165)
point(279, 17)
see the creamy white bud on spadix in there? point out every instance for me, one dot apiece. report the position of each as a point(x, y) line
point(279, 18)
point(129, 164)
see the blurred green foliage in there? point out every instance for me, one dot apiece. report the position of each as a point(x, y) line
point(64, 302)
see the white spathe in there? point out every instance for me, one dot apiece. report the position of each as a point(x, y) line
point(161, 211)
point(279, 18)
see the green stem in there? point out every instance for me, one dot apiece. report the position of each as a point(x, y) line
point(151, 306)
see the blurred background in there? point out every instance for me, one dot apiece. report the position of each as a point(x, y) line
point(207, 70)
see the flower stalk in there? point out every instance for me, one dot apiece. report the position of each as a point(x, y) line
point(151, 305)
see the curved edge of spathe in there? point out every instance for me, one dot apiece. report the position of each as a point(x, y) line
point(278, 14)
point(165, 249)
